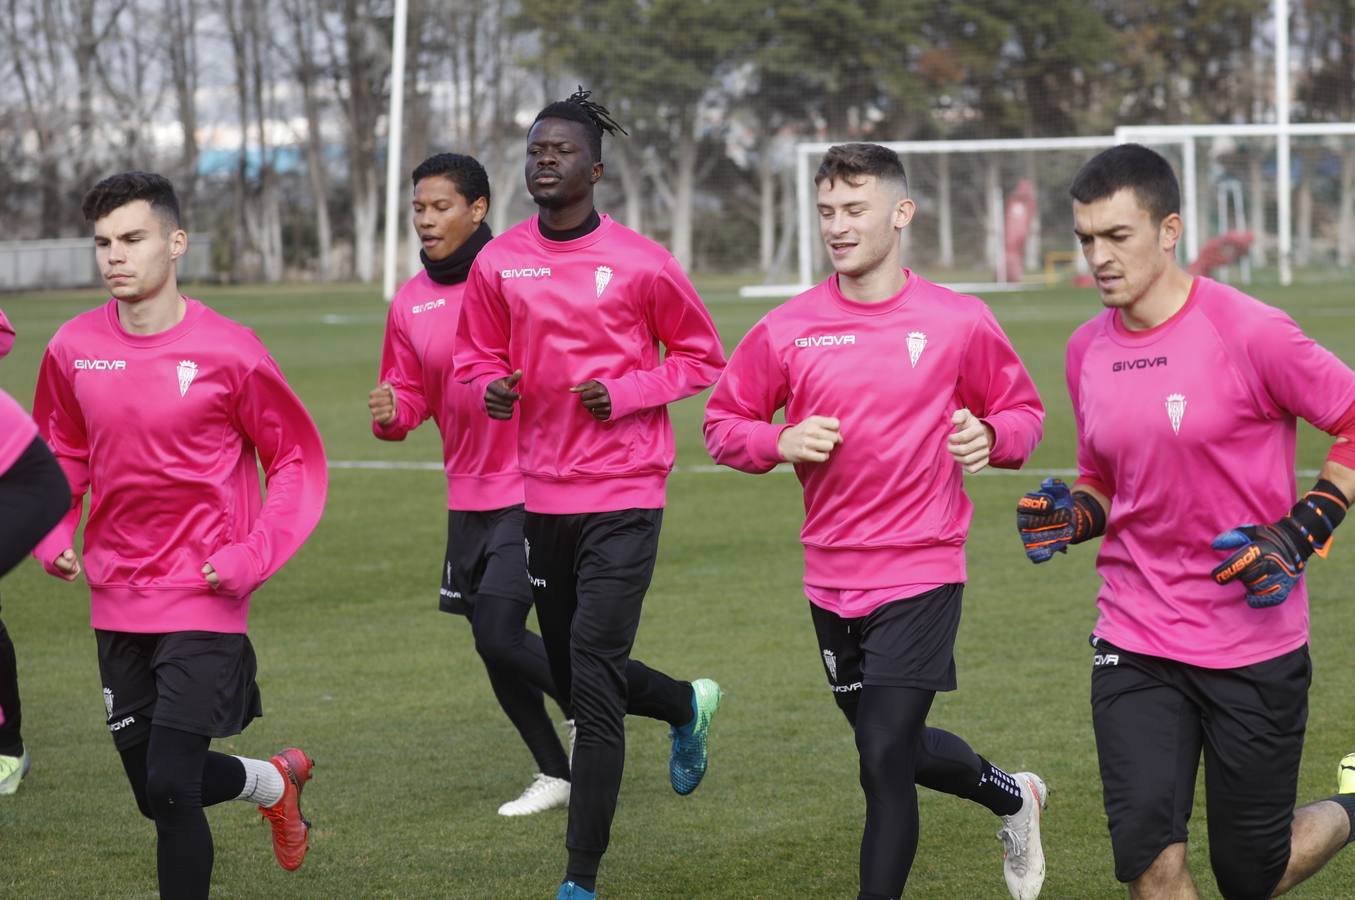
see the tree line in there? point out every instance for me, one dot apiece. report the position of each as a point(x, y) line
point(271, 116)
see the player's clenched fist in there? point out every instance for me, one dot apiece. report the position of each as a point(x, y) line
point(500, 396)
point(971, 442)
point(810, 441)
point(381, 403)
point(1053, 517)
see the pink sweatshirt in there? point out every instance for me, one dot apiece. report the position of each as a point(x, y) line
point(1189, 427)
point(597, 307)
point(480, 453)
point(888, 507)
point(16, 428)
point(163, 430)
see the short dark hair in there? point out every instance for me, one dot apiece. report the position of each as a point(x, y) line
point(853, 162)
point(118, 190)
point(1146, 172)
point(470, 178)
point(593, 116)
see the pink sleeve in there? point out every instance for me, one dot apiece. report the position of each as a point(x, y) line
point(62, 426)
point(6, 335)
point(295, 472)
point(1296, 375)
point(1088, 472)
point(693, 354)
point(739, 429)
point(482, 334)
point(1343, 451)
point(401, 368)
point(995, 387)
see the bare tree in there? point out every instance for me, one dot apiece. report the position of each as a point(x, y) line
point(257, 200)
point(182, 53)
point(366, 64)
point(304, 17)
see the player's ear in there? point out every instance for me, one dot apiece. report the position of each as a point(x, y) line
point(1169, 232)
point(479, 209)
point(178, 243)
point(596, 175)
point(903, 212)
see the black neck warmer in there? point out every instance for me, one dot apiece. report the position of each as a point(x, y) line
point(455, 268)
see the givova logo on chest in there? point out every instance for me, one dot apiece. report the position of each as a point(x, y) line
point(826, 340)
point(100, 365)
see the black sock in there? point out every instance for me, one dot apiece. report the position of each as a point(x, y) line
point(11, 742)
point(582, 869)
point(1347, 802)
point(997, 790)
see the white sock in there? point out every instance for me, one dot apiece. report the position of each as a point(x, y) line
point(263, 782)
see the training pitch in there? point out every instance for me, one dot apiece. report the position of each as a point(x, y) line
point(358, 667)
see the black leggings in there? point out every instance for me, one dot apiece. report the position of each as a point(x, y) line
point(898, 751)
point(174, 776)
point(515, 660)
point(34, 496)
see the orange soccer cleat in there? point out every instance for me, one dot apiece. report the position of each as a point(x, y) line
point(291, 830)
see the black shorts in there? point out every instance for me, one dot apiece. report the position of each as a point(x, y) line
point(904, 643)
point(201, 682)
point(485, 557)
point(1154, 717)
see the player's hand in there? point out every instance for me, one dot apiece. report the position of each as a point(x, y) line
point(1045, 520)
point(210, 574)
point(500, 396)
point(67, 565)
point(594, 397)
point(810, 441)
point(381, 403)
point(971, 442)
point(1265, 558)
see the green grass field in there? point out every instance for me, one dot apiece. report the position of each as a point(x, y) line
point(414, 757)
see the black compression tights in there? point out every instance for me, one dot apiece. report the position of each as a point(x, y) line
point(898, 751)
point(174, 776)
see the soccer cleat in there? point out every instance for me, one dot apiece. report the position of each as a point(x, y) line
point(291, 830)
point(13, 769)
point(571, 891)
point(1023, 857)
point(691, 752)
point(545, 792)
point(1345, 775)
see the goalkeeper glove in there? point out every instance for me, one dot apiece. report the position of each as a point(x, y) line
point(1052, 518)
point(1270, 559)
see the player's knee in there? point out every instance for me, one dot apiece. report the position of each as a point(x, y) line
point(887, 755)
point(169, 791)
point(1251, 874)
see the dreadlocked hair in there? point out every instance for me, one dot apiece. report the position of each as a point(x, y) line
point(593, 116)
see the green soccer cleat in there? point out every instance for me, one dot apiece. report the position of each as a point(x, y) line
point(12, 771)
point(1345, 775)
point(691, 751)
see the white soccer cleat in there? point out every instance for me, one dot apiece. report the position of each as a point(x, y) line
point(545, 792)
point(1023, 857)
point(12, 771)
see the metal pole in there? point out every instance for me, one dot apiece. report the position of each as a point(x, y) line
point(806, 218)
point(1283, 187)
point(394, 140)
point(1191, 200)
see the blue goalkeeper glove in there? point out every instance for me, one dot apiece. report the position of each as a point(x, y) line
point(1266, 558)
point(1053, 517)
point(1270, 559)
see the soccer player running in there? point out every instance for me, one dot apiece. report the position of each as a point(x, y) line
point(483, 575)
point(1185, 394)
point(33, 497)
point(163, 409)
point(566, 313)
point(891, 385)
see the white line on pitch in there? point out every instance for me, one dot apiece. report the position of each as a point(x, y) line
point(704, 469)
